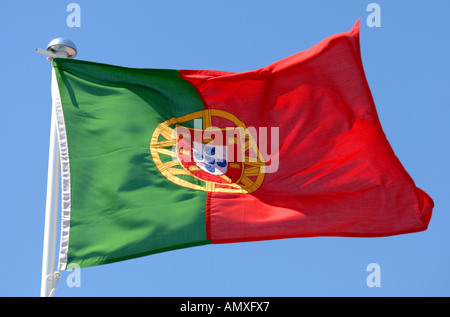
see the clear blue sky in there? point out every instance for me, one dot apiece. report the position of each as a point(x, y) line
point(406, 63)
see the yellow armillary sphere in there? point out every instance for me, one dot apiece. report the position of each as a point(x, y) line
point(208, 158)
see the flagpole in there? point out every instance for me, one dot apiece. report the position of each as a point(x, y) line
point(62, 48)
point(51, 212)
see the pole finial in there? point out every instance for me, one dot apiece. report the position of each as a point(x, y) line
point(60, 47)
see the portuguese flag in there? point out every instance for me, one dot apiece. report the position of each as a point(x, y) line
point(155, 160)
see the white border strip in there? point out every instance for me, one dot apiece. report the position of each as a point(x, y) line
point(65, 173)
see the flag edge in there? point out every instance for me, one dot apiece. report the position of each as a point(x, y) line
point(65, 172)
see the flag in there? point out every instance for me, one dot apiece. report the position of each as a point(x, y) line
point(158, 159)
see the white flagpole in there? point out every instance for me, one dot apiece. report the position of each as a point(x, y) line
point(62, 48)
point(51, 212)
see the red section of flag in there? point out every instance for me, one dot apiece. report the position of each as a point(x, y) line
point(336, 173)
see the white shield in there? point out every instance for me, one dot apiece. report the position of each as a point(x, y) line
point(210, 158)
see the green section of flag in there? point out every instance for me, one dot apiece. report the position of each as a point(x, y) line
point(121, 205)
